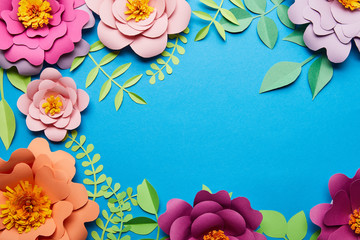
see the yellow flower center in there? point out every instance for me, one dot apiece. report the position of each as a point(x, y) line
point(138, 10)
point(216, 235)
point(354, 221)
point(352, 4)
point(34, 13)
point(26, 207)
point(53, 105)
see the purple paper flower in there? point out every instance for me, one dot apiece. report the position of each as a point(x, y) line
point(333, 25)
point(214, 216)
point(339, 220)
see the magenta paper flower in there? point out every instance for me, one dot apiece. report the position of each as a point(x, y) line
point(213, 216)
point(53, 104)
point(340, 219)
point(142, 24)
point(38, 31)
point(333, 25)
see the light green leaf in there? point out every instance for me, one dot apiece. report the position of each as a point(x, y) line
point(161, 76)
point(297, 37)
point(119, 99)
point(228, 15)
point(175, 60)
point(297, 227)
point(315, 235)
point(187, 30)
point(180, 50)
point(203, 15)
point(320, 74)
point(267, 31)
point(210, 3)
point(95, 235)
point(120, 70)
point(277, 2)
point(141, 225)
point(204, 187)
point(168, 69)
point(243, 17)
point(280, 75)
point(77, 62)
point(202, 33)
point(273, 224)
point(18, 81)
point(136, 98)
point(238, 3)
point(96, 46)
point(147, 197)
point(220, 30)
point(7, 123)
point(256, 6)
point(152, 79)
point(149, 72)
point(154, 66)
point(282, 12)
point(91, 76)
point(160, 61)
point(108, 58)
point(105, 89)
point(132, 81)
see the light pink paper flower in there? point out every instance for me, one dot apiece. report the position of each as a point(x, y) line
point(146, 37)
point(332, 26)
point(53, 103)
point(57, 42)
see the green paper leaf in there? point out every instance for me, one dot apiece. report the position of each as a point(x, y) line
point(132, 81)
point(238, 3)
point(187, 30)
point(267, 31)
point(202, 33)
point(320, 74)
point(228, 15)
point(210, 3)
point(204, 187)
point(119, 99)
point(147, 198)
point(105, 89)
point(141, 225)
point(297, 37)
point(202, 15)
point(282, 12)
point(120, 70)
point(108, 58)
point(315, 235)
point(273, 224)
point(91, 76)
point(136, 98)
point(297, 227)
point(243, 17)
point(280, 75)
point(220, 30)
point(256, 6)
point(18, 81)
point(180, 50)
point(96, 46)
point(152, 80)
point(277, 2)
point(7, 123)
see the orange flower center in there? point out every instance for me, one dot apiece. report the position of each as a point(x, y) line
point(34, 13)
point(216, 235)
point(53, 105)
point(26, 207)
point(138, 10)
point(352, 4)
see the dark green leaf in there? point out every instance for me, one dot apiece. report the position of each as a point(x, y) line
point(228, 15)
point(277, 2)
point(267, 31)
point(243, 17)
point(282, 12)
point(315, 235)
point(256, 6)
point(141, 225)
point(147, 198)
point(297, 37)
point(320, 74)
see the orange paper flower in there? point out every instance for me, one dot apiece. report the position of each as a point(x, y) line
point(38, 199)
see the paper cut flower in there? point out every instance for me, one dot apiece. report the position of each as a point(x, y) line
point(142, 24)
point(341, 218)
point(213, 216)
point(38, 199)
point(333, 25)
point(38, 31)
point(53, 103)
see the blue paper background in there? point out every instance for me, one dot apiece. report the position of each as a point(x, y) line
point(207, 123)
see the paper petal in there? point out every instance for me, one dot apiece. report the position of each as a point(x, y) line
point(234, 223)
point(180, 18)
point(91, 21)
point(81, 49)
point(317, 214)
point(327, 20)
point(55, 134)
point(78, 195)
point(248, 235)
point(159, 27)
point(206, 223)
point(180, 229)
point(205, 207)
point(221, 197)
point(252, 217)
point(175, 208)
point(106, 14)
point(94, 5)
point(34, 125)
point(21, 172)
point(149, 47)
point(56, 32)
point(75, 27)
point(295, 11)
point(61, 46)
point(112, 38)
point(83, 100)
point(340, 210)
point(341, 182)
point(6, 39)
point(170, 7)
point(23, 104)
point(24, 67)
point(60, 211)
point(34, 56)
point(343, 232)
point(41, 32)
point(17, 157)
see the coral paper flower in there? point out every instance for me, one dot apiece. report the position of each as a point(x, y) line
point(38, 31)
point(38, 199)
point(142, 24)
point(333, 25)
point(53, 103)
point(213, 216)
point(341, 218)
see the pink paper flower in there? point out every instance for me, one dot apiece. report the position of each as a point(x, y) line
point(34, 32)
point(332, 25)
point(53, 103)
point(142, 24)
point(339, 220)
point(56, 207)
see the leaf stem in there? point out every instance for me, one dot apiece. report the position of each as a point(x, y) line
point(217, 12)
point(260, 15)
point(2, 84)
point(158, 228)
point(106, 224)
point(170, 57)
point(308, 60)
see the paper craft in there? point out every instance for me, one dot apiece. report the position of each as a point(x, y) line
point(34, 32)
point(53, 104)
point(145, 30)
point(57, 208)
